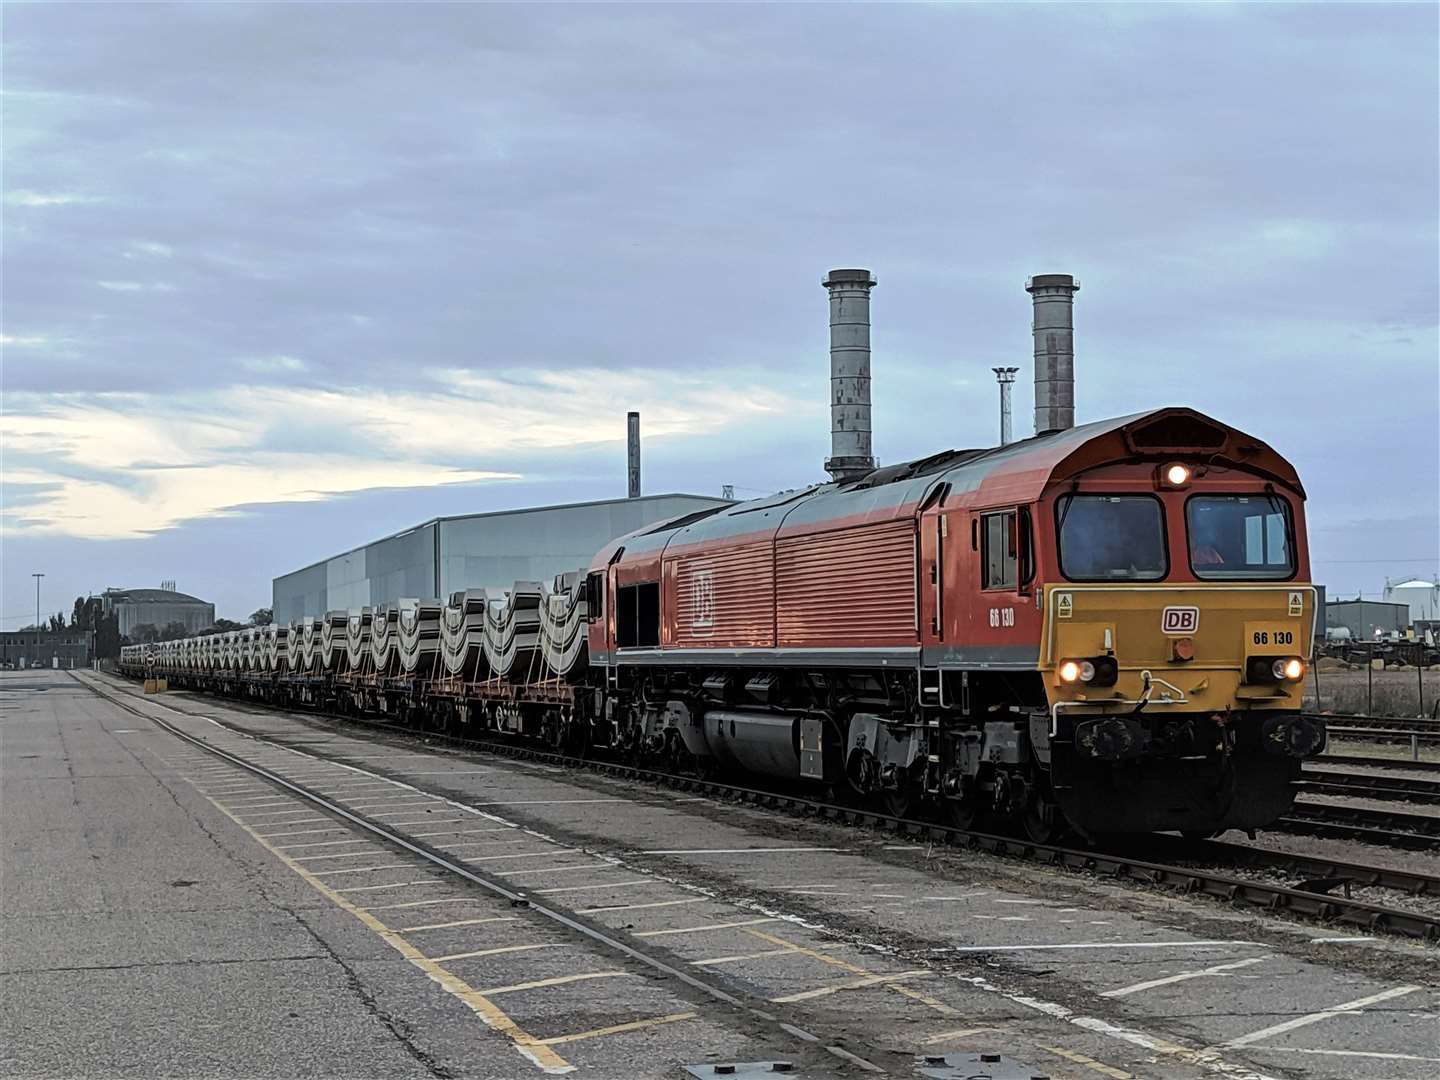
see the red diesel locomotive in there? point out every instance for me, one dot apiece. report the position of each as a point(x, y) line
point(1105, 627)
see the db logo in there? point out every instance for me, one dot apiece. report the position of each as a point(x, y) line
point(702, 590)
point(1180, 620)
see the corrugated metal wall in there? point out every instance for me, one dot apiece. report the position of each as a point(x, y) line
point(855, 587)
point(721, 599)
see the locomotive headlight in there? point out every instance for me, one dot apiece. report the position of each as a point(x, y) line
point(1289, 669)
point(1087, 671)
point(1177, 475)
point(1070, 671)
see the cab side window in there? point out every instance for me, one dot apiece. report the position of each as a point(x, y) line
point(999, 550)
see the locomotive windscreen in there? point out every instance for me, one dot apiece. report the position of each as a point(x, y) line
point(1240, 537)
point(1112, 537)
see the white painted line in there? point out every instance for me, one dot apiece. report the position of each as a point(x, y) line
point(737, 851)
point(493, 952)
point(1206, 1060)
point(1337, 940)
point(427, 903)
point(392, 885)
point(458, 922)
point(298, 832)
point(484, 843)
point(599, 864)
point(461, 832)
point(597, 885)
point(341, 855)
point(515, 855)
point(639, 907)
point(1100, 945)
point(417, 821)
point(1315, 1017)
point(325, 843)
point(736, 958)
point(362, 869)
point(841, 1052)
point(853, 984)
point(944, 1035)
point(707, 926)
point(543, 802)
point(1346, 1053)
point(403, 800)
point(1151, 984)
point(558, 980)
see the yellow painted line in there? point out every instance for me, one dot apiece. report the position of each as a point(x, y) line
point(531, 1048)
point(365, 869)
point(1086, 1060)
point(638, 907)
point(856, 969)
point(853, 984)
point(458, 922)
point(707, 926)
point(393, 885)
point(925, 999)
point(556, 981)
point(615, 1029)
point(496, 952)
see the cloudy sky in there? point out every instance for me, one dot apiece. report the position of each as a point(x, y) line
point(279, 279)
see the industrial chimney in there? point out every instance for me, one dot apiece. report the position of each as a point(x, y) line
point(1054, 329)
point(850, 450)
point(1005, 376)
point(632, 454)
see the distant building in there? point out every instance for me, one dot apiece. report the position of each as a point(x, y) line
point(476, 551)
point(56, 648)
point(157, 608)
point(1420, 595)
point(1364, 617)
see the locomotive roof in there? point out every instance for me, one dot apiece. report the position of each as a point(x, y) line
point(990, 476)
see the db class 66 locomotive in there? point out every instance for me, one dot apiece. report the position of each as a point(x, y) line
point(1104, 628)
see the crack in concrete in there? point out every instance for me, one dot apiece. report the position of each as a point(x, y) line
point(139, 966)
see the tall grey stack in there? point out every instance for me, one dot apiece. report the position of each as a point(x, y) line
point(851, 454)
point(1053, 325)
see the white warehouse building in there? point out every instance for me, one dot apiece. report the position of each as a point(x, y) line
point(475, 551)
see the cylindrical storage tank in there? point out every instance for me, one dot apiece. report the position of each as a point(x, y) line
point(764, 743)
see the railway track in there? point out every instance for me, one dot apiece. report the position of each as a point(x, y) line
point(1370, 761)
point(1412, 789)
point(1313, 903)
point(1382, 729)
point(1390, 828)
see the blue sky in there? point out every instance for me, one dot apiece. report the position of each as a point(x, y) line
point(279, 279)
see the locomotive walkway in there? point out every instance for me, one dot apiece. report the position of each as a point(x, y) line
point(392, 964)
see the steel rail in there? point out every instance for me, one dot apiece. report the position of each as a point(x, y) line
point(1370, 761)
point(1415, 789)
point(1189, 880)
point(1391, 828)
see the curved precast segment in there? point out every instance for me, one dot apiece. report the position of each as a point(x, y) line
point(310, 632)
point(385, 640)
point(419, 636)
point(512, 633)
point(462, 635)
point(332, 654)
point(295, 647)
point(357, 640)
point(563, 625)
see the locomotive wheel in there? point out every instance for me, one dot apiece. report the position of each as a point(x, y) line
point(1042, 820)
point(899, 802)
point(961, 813)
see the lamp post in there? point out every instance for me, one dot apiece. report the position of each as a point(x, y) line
point(37, 578)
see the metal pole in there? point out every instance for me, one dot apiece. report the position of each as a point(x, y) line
point(1005, 376)
point(1420, 676)
point(37, 578)
point(1370, 680)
